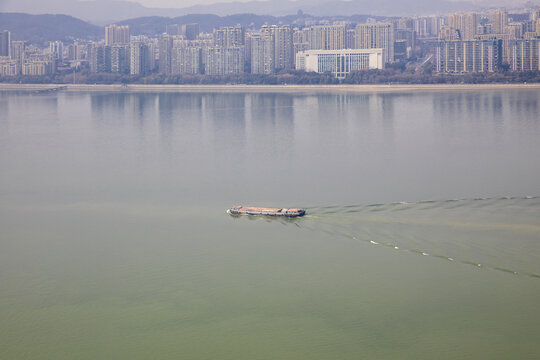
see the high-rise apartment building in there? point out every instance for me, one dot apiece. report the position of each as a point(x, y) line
point(140, 62)
point(350, 39)
point(376, 36)
point(300, 41)
point(117, 34)
point(97, 58)
point(5, 43)
point(109, 59)
point(165, 49)
point(515, 30)
point(173, 29)
point(505, 41)
point(465, 23)
point(429, 26)
point(224, 60)
point(468, 56)
point(449, 34)
point(75, 51)
point(326, 37)
point(282, 35)
point(498, 20)
point(405, 24)
point(229, 36)
point(186, 60)
point(262, 53)
point(190, 31)
point(57, 49)
point(405, 40)
point(120, 59)
point(17, 52)
point(525, 55)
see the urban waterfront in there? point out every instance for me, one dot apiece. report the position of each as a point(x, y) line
point(422, 237)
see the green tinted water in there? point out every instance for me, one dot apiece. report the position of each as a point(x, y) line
point(115, 243)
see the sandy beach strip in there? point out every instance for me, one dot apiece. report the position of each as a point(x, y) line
point(267, 88)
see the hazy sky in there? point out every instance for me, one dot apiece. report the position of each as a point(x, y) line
point(179, 3)
point(184, 3)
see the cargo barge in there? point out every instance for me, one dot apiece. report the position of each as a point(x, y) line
point(259, 211)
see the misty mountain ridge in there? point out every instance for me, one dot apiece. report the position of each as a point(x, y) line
point(39, 29)
point(103, 11)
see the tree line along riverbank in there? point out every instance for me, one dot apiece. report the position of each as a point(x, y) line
point(392, 75)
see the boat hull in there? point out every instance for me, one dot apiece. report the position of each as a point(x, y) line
point(254, 211)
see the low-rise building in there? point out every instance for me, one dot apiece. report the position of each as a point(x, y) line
point(340, 62)
point(8, 67)
point(39, 65)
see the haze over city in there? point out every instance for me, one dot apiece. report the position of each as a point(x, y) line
point(296, 180)
point(102, 11)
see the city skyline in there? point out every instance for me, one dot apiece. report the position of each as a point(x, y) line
point(457, 43)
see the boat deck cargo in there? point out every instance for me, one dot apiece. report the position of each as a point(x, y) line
point(245, 210)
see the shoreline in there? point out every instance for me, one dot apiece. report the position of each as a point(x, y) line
point(264, 88)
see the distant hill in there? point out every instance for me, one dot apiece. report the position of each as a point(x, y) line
point(155, 25)
point(39, 29)
point(43, 28)
point(108, 11)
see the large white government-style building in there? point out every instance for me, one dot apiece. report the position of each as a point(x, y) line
point(339, 62)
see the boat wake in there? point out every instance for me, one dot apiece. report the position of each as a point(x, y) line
point(500, 234)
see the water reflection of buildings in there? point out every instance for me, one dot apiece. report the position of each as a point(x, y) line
point(478, 105)
point(225, 114)
point(44, 106)
point(344, 116)
point(102, 103)
point(523, 105)
point(271, 122)
point(180, 121)
point(126, 107)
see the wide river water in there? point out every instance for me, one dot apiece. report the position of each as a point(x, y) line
point(422, 238)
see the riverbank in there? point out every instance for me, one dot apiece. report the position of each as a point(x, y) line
point(264, 88)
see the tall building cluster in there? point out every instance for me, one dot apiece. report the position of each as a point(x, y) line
point(16, 58)
point(115, 35)
point(487, 42)
point(458, 43)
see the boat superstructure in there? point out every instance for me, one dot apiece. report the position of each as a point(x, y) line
point(247, 210)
